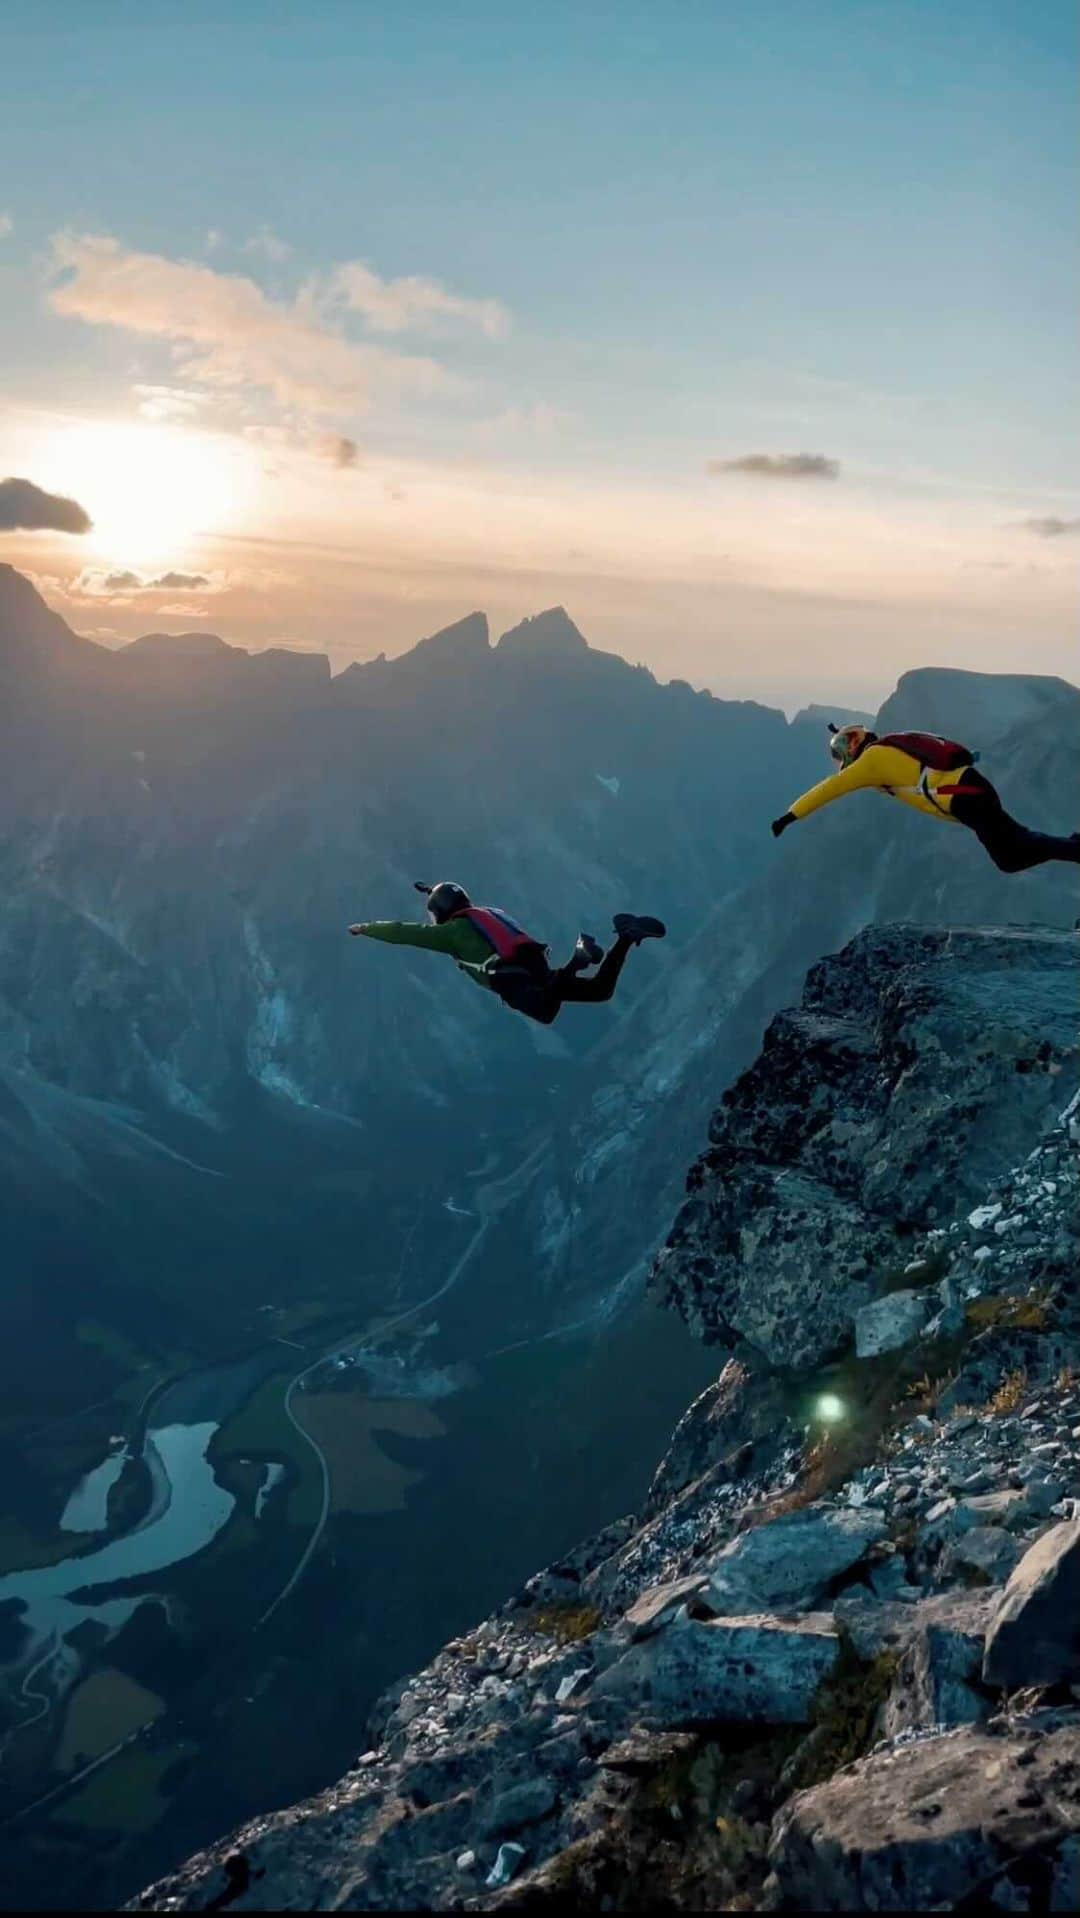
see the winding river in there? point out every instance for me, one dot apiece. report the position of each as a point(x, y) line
point(188, 1509)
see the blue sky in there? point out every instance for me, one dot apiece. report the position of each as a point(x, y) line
point(714, 230)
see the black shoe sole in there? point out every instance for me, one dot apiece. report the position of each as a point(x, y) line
point(638, 926)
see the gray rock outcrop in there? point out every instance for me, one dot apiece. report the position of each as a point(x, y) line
point(975, 1819)
point(753, 1671)
point(883, 1106)
point(1034, 1639)
point(791, 1561)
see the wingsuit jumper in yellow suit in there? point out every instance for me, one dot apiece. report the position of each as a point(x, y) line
point(956, 791)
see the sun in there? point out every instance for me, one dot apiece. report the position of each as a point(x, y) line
point(150, 490)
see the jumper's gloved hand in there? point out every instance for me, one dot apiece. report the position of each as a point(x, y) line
point(357, 929)
point(780, 825)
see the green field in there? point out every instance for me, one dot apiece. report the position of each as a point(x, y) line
point(124, 1796)
point(261, 1429)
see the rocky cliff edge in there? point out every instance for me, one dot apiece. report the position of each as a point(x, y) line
point(834, 1661)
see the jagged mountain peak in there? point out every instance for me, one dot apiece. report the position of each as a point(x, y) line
point(552, 631)
point(464, 640)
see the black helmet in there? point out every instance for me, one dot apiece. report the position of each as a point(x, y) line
point(445, 899)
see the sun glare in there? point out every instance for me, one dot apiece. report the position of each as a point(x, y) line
point(150, 490)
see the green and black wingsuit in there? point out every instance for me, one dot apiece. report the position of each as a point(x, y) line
point(499, 955)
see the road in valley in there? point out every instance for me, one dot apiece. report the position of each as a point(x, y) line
point(490, 1201)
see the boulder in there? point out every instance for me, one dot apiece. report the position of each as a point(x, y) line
point(1007, 1507)
point(658, 1605)
point(1039, 1496)
point(935, 1825)
point(889, 1322)
point(986, 1554)
point(875, 1625)
point(1034, 1638)
point(518, 1805)
point(754, 1670)
point(891, 1625)
point(933, 1683)
point(792, 1560)
point(570, 1686)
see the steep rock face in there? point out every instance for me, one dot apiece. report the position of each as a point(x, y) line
point(887, 1102)
point(592, 1745)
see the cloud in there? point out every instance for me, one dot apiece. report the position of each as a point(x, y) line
point(7, 225)
point(265, 241)
point(538, 421)
point(1050, 527)
point(338, 449)
point(25, 508)
point(91, 583)
point(793, 466)
point(226, 333)
point(396, 306)
point(168, 402)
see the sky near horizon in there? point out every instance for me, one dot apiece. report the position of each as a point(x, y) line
point(745, 330)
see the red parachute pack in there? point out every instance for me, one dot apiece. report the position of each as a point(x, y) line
point(941, 755)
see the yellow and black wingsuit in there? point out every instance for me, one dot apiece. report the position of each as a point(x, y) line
point(936, 776)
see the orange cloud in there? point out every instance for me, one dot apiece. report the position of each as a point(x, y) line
point(396, 306)
point(225, 332)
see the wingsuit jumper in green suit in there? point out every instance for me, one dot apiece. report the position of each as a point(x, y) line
point(541, 999)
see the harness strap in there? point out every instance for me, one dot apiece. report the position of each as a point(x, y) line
point(931, 792)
